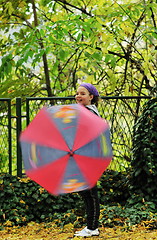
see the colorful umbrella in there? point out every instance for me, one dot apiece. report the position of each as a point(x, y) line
point(66, 148)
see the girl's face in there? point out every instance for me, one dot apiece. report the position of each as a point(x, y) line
point(83, 96)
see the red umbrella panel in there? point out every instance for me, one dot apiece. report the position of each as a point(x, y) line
point(66, 148)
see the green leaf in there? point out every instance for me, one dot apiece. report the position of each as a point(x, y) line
point(62, 54)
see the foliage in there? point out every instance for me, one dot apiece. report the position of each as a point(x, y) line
point(126, 215)
point(113, 187)
point(23, 201)
point(47, 47)
point(49, 231)
point(144, 164)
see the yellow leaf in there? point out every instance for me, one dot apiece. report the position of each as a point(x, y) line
point(128, 30)
point(9, 8)
point(89, 78)
point(22, 4)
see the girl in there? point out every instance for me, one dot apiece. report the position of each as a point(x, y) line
point(88, 96)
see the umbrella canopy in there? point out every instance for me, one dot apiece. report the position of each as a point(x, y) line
point(66, 148)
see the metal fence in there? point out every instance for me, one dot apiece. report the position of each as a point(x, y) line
point(120, 112)
point(5, 135)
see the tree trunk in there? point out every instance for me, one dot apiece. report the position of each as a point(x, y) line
point(46, 70)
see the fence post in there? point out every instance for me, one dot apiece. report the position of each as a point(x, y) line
point(27, 112)
point(9, 136)
point(18, 131)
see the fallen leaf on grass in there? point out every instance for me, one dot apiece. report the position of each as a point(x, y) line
point(49, 231)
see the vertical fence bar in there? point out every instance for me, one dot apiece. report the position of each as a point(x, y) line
point(9, 136)
point(18, 131)
point(27, 111)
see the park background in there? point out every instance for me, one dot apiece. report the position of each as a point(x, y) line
point(47, 49)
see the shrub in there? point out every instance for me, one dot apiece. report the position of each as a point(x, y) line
point(144, 160)
point(113, 187)
point(22, 201)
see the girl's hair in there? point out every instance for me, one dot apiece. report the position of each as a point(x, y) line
point(95, 100)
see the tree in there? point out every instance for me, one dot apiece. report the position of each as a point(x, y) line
point(51, 45)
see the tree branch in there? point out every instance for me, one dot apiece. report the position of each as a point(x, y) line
point(83, 10)
point(23, 19)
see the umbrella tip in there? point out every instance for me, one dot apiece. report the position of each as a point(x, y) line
point(71, 153)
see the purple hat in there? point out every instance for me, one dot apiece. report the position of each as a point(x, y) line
point(90, 88)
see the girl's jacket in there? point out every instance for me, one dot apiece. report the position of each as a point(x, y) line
point(93, 109)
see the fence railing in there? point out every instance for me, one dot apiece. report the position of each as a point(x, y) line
point(120, 112)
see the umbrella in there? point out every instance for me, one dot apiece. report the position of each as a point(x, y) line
point(66, 148)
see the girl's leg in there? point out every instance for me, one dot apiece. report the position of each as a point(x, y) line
point(92, 207)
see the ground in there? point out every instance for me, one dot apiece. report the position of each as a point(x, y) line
point(49, 231)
